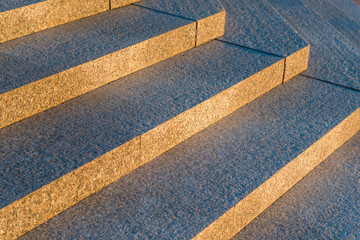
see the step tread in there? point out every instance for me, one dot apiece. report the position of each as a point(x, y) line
point(333, 57)
point(184, 190)
point(255, 24)
point(323, 205)
point(349, 7)
point(192, 9)
point(64, 138)
point(13, 4)
point(339, 20)
point(63, 47)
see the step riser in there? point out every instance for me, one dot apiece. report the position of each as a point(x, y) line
point(120, 3)
point(43, 94)
point(46, 93)
point(235, 219)
point(50, 13)
point(296, 63)
point(39, 206)
point(210, 28)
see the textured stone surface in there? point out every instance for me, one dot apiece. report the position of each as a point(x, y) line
point(78, 57)
point(210, 28)
point(209, 14)
point(349, 7)
point(69, 142)
point(32, 18)
point(191, 9)
point(296, 63)
point(184, 190)
point(323, 205)
point(267, 193)
point(12, 4)
point(255, 24)
point(339, 20)
point(121, 3)
point(333, 57)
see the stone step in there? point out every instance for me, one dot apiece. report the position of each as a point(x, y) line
point(333, 58)
point(256, 25)
point(213, 184)
point(323, 205)
point(21, 18)
point(57, 158)
point(47, 68)
point(349, 7)
point(338, 19)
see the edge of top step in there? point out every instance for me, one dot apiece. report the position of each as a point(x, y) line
point(49, 91)
point(265, 73)
point(212, 185)
point(21, 18)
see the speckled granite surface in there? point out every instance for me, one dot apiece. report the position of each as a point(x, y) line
point(19, 22)
point(349, 7)
point(192, 9)
point(181, 192)
point(66, 137)
point(343, 23)
point(323, 205)
point(255, 24)
point(63, 47)
point(69, 135)
point(333, 57)
point(121, 3)
point(6, 5)
point(75, 58)
point(209, 14)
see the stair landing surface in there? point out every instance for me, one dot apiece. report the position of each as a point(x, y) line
point(333, 57)
point(256, 25)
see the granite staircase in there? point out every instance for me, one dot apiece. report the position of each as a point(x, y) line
point(325, 203)
point(159, 119)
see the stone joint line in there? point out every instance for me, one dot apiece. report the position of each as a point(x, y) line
point(328, 82)
point(241, 46)
point(155, 10)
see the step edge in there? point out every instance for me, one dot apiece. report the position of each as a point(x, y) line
point(86, 70)
point(30, 14)
point(36, 9)
point(21, 103)
point(297, 63)
point(240, 215)
point(18, 214)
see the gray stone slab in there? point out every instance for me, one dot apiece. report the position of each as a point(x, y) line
point(6, 5)
point(78, 42)
point(42, 148)
point(184, 190)
point(349, 7)
point(323, 205)
point(191, 9)
point(339, 20)
point(333, 57)
point(255, 24)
